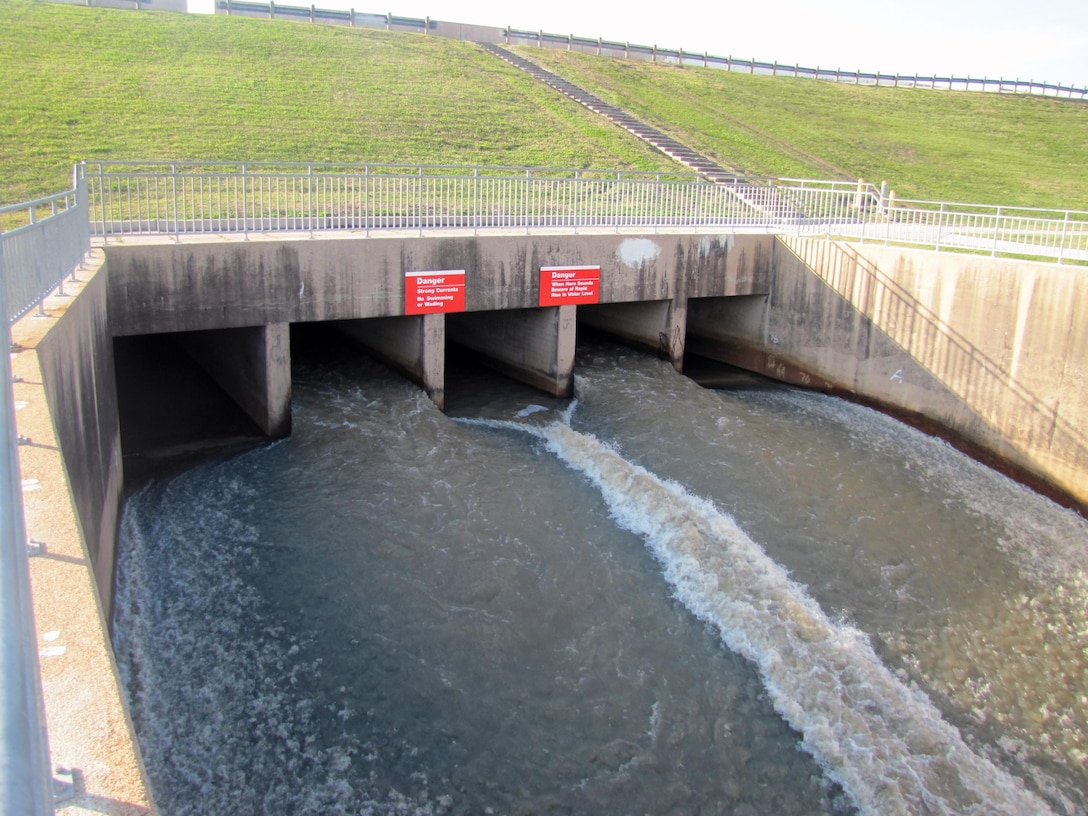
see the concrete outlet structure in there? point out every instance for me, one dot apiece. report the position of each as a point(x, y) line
point(988, 352)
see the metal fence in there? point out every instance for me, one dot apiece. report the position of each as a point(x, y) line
point(190, 198)
point(181, 198)
point(25, 777)
point(1043, 234)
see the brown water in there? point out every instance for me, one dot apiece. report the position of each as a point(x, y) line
point(657, 599)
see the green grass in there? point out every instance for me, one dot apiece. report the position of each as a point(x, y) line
point(85, 83)
point(936, 145)
point(89, 83)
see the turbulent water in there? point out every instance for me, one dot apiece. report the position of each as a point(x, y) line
point(655, 599)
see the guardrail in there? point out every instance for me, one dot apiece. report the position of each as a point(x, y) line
point(186, 198)
point(41, 242)
point(1044, 234)
point(678, 56)
point(25, 777)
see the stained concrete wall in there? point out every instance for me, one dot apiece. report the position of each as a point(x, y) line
point(192, 287)
point(990, 350)
point(240, 286)
point(987, 349)
point(76, 359)
point(72, 477)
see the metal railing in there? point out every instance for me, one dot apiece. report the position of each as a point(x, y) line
point(25, 777)
point(183, 198)
point(180, 198)
point(271, 9)
point(41, 242)
point(995, 230)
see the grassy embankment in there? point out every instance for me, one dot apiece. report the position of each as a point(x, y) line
point(935, 145)
point(89, 83)
point(95, 83)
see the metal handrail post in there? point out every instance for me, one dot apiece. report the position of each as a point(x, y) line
point(174, 196)
point(245, 208)
point(366, 200)
point(1065, 232)
point(83, 203)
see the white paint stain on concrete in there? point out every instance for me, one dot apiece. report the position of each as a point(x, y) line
point(636, 251)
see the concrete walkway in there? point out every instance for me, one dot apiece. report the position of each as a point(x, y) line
point(90, 732)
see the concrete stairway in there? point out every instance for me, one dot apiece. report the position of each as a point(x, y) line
point(666, 144)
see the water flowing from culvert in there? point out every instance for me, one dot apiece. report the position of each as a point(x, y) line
point(657, 599)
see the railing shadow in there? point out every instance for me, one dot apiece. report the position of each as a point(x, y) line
point(1029, 422)
point(75, 795)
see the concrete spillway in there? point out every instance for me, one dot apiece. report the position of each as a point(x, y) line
point(986, 351)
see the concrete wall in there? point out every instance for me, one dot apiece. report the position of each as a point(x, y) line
point(76, 358)
point(213, 294)
point(72, 476)
point(990, 350)
point(193, 287)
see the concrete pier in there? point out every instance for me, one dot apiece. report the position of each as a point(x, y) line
point(253, 365)
point(657, 326)
point(534, 346)
point(415, 345)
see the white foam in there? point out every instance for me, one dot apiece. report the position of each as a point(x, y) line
point(882, 740)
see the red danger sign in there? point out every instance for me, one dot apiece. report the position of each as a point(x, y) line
point(569, 285)
point(434, 292)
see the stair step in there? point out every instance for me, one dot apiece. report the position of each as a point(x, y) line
point(666, 144)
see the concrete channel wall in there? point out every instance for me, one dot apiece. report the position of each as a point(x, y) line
point(76, 360)
point(989, 352)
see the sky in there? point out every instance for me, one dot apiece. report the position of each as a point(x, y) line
point(1045, 40)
